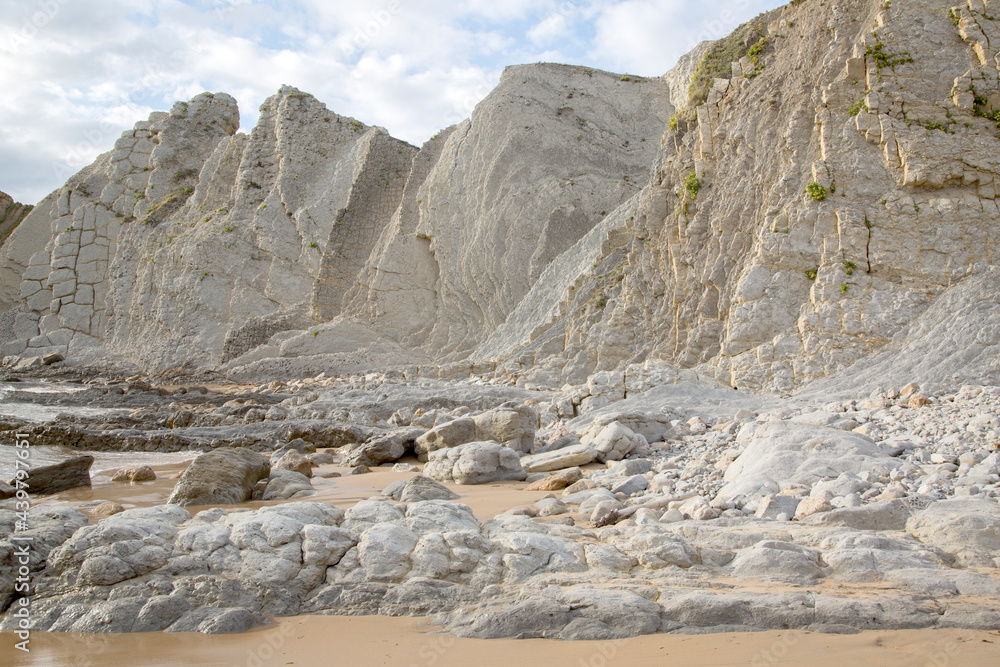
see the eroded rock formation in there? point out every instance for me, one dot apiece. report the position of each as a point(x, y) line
point(827, 179)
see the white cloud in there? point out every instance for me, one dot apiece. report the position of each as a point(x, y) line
point(549, 29)
point(648, 36)
point(76, 74)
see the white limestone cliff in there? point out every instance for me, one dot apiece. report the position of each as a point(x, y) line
point(731, 267)
point(808, 206)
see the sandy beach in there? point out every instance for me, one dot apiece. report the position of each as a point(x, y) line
point(310, 641)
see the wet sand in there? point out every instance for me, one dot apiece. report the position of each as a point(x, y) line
point(486, 501)
point(362, 641)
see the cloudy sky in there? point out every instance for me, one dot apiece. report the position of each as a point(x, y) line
point(76, 73)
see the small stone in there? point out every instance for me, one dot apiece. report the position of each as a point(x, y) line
point(293, 460)
point(522, 510)
point(582, 485)
point(360, 470)
point(323, 458)
point(774, 505)
point(553, 510)
point(134, 475)
point(646, 516)
point(52, 358)
point(672, 516)
point(604, 509)
point(812, 505)
point(109, 508)
point(558, 481)
point(563, 521)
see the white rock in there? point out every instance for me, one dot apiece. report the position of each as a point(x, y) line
point(475, 463)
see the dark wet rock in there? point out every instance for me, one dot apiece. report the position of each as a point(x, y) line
point(69, 474)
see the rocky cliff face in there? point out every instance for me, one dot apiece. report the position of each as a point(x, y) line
point(823, 196)
point(827, 178)
point(11, 215)
point(499, 197)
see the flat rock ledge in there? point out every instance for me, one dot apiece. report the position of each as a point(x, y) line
point(218, 571)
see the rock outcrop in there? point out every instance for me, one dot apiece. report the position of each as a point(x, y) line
point(511, 577)
point(475, 463)
point(820, 198)
point(193, 245)
point(11, 215)
point(771, 211)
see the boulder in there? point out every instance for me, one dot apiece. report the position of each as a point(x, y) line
point(774, 506)
point(524, 619)
point(475, 463)
point(614, 442)
point(567, 457)
point(216, 621)
point(384, 552)
point(386, 448)
point(651, 425)
point(424, 488)
point(512, 426)
point(450, 434)
point(771, 560)
point(301, 446)
point(631, 486)
point(882, 515)
point(287, 484)
point(221, 477)
point(324, 458)
point(565, 440)
point(812, 505)
point(630, 467)
point(124, 546)
point(781, 454)
point(69, 474)
point(967, 528)
point(394, 490)
point(294, 461)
